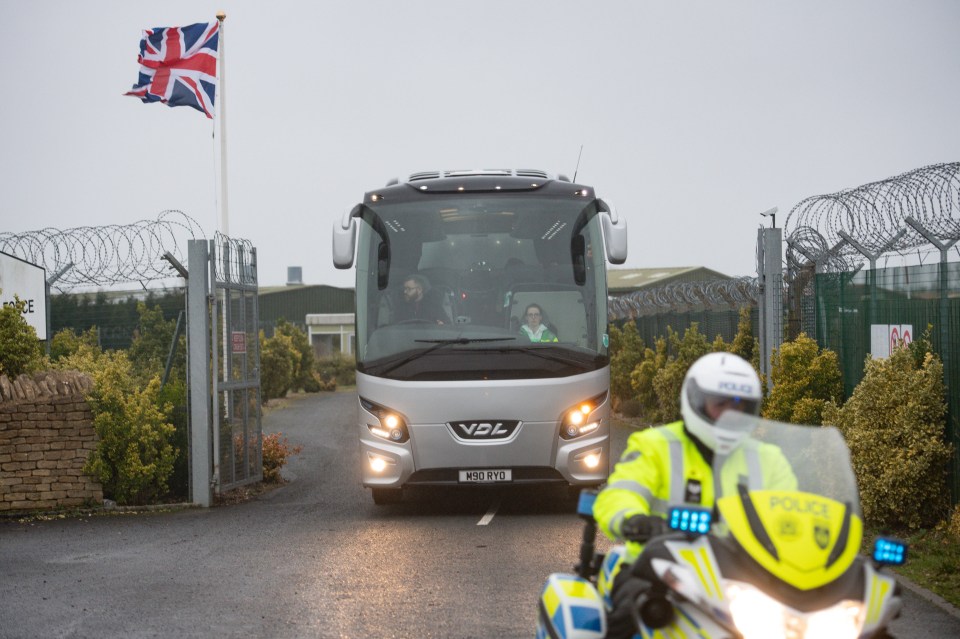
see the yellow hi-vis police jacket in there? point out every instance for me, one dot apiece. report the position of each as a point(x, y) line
point(662, 467)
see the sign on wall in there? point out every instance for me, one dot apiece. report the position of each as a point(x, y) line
point(884, 338)
point(28, 282)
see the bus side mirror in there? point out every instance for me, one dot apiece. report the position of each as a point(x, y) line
point(614, 234)
point(344, 241)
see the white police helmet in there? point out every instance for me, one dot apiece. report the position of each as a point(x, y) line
point(715, 383)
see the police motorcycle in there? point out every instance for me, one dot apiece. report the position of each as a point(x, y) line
point(770, 563)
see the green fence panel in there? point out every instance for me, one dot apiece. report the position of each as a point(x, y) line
point(711, 322)
point(848, 305)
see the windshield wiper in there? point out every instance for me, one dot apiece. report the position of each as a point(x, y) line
point(551, 355)
point(463, 340)
point(440, 343)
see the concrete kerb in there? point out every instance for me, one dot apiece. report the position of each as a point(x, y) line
point(932, 597)
point(108, 508)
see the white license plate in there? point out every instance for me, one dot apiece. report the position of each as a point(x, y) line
point(485, 476)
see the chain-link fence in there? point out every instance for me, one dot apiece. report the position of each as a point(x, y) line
point(903, 302)
point(710, 323)
point(714, 305)
point(856, 311)
point(861, 313)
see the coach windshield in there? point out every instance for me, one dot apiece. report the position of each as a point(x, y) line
point(445, 284)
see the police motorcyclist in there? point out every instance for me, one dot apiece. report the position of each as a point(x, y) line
point(672, 464)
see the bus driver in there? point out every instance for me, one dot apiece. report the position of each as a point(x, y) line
point(418, 305)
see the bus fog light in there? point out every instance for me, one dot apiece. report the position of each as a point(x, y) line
point(379, 463)
point(591, 458)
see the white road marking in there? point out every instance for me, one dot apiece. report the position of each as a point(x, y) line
point(486, 519)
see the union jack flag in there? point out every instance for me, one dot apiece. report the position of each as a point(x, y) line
point(178, 66)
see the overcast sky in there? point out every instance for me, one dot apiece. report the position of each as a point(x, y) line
point(693, 116)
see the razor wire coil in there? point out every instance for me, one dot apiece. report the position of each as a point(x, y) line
point(236, 260)
point(873, 217)
point(683, 296)
point(106, 255)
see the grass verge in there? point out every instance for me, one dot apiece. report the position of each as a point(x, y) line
point(933, 561)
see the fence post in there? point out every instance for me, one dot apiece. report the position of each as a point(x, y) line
point(198, 357)
point(953, 436)
point(770, 242)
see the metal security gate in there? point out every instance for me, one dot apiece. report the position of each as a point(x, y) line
point(224, 352)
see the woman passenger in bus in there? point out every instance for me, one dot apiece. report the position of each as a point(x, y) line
point(534, 330)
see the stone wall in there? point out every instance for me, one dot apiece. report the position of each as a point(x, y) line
point(46, 434)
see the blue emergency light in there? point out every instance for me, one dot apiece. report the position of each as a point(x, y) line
point(585, 504)
point(690, 519)
point(891, 552)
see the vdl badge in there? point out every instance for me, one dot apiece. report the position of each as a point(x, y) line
point(485, 476)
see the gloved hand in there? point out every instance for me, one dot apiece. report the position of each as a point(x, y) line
point(641, 528)
point(621, 622)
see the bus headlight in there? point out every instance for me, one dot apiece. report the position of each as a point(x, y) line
point(579, 420)
point(390, 425)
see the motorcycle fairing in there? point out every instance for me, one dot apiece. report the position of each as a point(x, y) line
point(804, 539)
point(612, 561)
point(684, 626)
point(701, 581)
point(882, 598)
point(571, 608)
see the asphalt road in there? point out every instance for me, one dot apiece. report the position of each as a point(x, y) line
point(314, 558)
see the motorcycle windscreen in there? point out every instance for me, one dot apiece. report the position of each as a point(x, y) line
point(789, 496)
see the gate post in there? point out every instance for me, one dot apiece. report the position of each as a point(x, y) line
point(198, 358)
point(770, 244)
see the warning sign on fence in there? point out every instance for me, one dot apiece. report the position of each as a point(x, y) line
point(884, 338)
point(239, 342)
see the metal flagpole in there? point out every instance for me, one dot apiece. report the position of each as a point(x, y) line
point(220, 252)
point(222, 92)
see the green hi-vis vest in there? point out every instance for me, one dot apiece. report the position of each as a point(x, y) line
point(662, 467)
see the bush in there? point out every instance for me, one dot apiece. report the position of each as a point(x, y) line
point(148, 354)
point(643, 374)
point(276, 452)
point(150, 347)
point(953, 525)
point(630, 408)
point(134, 457)
point(338, 369)
point(302, 354)
point(894, 424)
point(277, 356)
point(626, 353)
point(20, 349)
point(669, 379)
point(804, 380)
point(66, 343)
point(744, 343)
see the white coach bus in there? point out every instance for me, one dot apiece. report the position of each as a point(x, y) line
point(452, 388)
